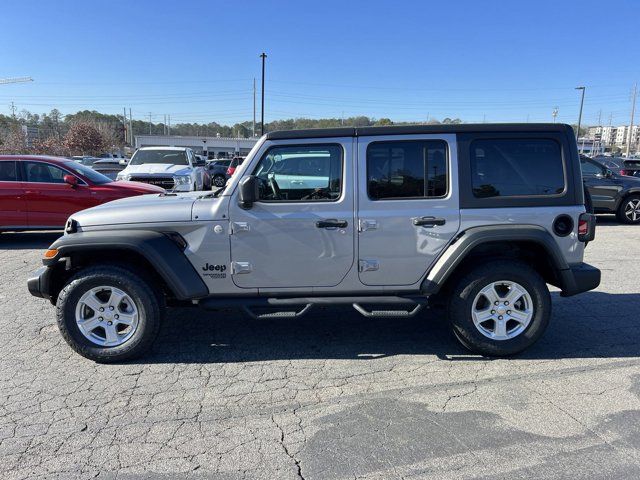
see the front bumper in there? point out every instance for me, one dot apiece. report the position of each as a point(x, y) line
point(39, 283)
point(579, 278)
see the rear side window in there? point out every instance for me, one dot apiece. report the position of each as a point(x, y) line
point(8, 172)
point(516, 167)
point(407, 169)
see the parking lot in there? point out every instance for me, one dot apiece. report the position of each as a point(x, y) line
point(332, 395)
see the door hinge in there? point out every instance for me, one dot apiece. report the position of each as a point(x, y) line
point(238, 268)
point(364, 225)
point(368, 265)
point(239, 227)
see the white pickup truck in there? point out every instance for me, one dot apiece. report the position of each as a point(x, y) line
point(172, 168)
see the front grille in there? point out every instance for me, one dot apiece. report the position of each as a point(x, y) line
point(164, 182)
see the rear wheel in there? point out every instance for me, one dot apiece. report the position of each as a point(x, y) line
point(629, 210)
point(109, 313)
point(219, 180)
point(499, 309)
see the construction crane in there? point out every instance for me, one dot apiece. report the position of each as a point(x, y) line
point(4, 81)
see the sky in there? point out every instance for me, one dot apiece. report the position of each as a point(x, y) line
point(502, 61)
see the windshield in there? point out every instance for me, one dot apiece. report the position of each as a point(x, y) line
point(92, 175)
point(167, 157)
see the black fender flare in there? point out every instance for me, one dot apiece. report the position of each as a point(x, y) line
point(467, 240)
point(164, 254)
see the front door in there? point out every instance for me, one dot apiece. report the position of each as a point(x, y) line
point(407, 209)
point(50, 201)
point(603, 190)
point(13, 209)
point(300, 233)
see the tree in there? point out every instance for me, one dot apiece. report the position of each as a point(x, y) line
point(14, 142)
point(383, 122)
point(50, 146)
point(84, 139)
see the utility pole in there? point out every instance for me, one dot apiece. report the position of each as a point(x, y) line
point(149, 123)
point(554, 114)
point(169, 125)
point(263, 56)
point(581, 105)
point(124, 123)
point(633, 111)
point(13, 110)
point(132, 138)
point(254, 106)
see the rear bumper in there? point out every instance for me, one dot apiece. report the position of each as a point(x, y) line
point(39, 283)
point(579, 278)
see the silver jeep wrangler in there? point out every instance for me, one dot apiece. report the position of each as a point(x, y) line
point(479, 218)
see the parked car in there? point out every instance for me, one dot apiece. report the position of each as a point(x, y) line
point(611, 192)
point(172, 168)
point(621, 166)
point(387, 219)
point(38, 192)
point(85, 160)
point(218, 172)
point(235, 163)
point(110, 167)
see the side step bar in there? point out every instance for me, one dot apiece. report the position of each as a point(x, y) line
point(409, 306)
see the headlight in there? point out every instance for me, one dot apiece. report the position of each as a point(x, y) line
point(182, 180)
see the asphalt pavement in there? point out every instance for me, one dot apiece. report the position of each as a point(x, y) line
point(330, 396)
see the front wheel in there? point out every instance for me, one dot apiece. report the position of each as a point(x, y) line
point(109, 313)
point(629, 210)
point(219, 180)
point(500, 308)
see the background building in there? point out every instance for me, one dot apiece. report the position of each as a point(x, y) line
point(215, 147)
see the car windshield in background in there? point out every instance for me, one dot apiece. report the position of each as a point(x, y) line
point(167, 157)
point(92, 175)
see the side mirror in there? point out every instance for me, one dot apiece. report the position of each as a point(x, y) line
point(71, 180)
point(123, 162)
point(608, 173)
point(248, 191)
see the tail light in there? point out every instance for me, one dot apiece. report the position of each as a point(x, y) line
point(625, 172)
point(586, 227)
point(230, 170)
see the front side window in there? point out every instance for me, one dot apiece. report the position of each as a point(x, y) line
point(300, 173)
point(165, 157)
point(44, 173)
point(516, 167)
point(589, 168)
point(8, 172)
point(407, 169)
point(90, 173)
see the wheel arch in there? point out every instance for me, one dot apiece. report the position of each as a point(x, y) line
point(528, 243)
point(156, 255)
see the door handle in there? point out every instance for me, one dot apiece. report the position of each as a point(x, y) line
point(332, 223)
point(428, 221)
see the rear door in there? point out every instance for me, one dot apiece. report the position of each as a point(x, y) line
point(408, 210)
point(13, 209)
point(50, 201)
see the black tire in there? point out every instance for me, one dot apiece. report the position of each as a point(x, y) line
point(219, 181)
point(624, 204)
point(469, 286)
point(148, 299)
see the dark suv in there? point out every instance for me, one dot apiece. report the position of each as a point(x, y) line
point(610, 192)
point(218, 172)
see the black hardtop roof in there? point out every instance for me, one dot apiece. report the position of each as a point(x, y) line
point(417, 129)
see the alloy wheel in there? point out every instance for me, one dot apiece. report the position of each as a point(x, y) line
point(502, 310)
point(107, 316)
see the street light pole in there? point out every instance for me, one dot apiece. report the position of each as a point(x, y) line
point(263, 56)
point(580, 115)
